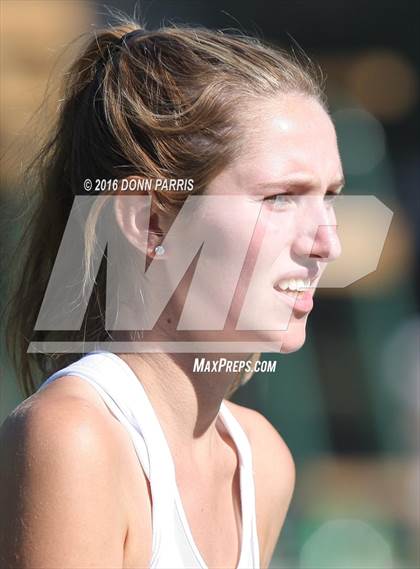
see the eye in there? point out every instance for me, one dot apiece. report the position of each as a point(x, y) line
point(281, 201)
point(330, 197)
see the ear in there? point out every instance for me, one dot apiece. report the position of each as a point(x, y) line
point(140, 222)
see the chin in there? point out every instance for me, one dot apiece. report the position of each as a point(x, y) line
point(294, 338)
point(287, 341)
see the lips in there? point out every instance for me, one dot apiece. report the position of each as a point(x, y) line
point(300, 302)
point(296, 289)
point(298, 275)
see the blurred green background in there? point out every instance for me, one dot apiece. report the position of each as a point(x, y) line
point(348, 402)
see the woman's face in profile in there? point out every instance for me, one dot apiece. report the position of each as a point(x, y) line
point(281, 215)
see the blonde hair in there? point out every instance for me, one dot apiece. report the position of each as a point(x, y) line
point(165, 103)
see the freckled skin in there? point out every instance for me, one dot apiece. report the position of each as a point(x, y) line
point(86, 502)
point(288, 135)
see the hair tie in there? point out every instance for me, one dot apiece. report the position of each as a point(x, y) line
point(133, 34)
point(114, 53)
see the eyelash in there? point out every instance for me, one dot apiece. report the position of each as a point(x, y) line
point(272, 199)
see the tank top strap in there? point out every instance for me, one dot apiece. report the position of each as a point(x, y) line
point(248, 503)
point(126, 398)
point(238, 435)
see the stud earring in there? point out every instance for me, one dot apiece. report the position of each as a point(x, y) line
point(159, 250)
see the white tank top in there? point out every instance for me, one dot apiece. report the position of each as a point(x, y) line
point(173, 546)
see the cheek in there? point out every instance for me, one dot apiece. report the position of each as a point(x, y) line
point(256, 304)
point(223, 260)
point(258, 259)
point(280, 233)
point(236, 237)
point(269, 252)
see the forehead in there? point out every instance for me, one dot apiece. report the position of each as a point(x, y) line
point(289, 133)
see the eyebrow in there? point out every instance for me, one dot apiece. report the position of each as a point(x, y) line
point(296, 182)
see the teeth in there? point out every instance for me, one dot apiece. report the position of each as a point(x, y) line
point(294, 284)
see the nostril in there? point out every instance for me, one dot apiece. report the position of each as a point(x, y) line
point(326, 244)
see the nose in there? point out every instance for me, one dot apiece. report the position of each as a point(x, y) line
point(316, 236)
point(326, 244)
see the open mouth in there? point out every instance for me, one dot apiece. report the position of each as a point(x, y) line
point(294, 286)
point(298, 292)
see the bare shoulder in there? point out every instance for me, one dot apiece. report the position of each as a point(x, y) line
point(274, 473)
point(63, 414)
point(60, 476)
point(266, 442)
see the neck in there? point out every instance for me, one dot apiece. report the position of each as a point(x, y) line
point(186, 403)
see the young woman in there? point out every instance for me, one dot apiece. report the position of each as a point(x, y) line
point(133, 459)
